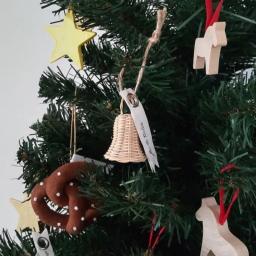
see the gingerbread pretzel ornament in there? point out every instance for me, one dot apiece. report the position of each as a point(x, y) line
point(61, 188)
point(207, 49)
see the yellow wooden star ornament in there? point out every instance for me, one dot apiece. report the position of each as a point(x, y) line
point(69, 39)
point(28, 218)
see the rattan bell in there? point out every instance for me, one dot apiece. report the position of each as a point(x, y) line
point(125, 146)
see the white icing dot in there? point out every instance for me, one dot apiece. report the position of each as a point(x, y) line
point(93, 205)
point(59, 173)
point(76, 208)
point(94, 219)
point(41, 183)
point(58, 194)
point(35, 199)
point(58, 224)
point(83, 219)
point(71, 184)
point(75, 228)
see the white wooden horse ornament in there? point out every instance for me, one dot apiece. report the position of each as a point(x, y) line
point(217, 239)
point(207, 48)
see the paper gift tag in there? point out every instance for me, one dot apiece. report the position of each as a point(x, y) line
point(142, 125)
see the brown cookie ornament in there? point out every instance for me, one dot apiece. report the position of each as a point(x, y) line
point(61, 188)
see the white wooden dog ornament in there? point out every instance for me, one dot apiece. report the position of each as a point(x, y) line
point(217, 239)
point(207, 49)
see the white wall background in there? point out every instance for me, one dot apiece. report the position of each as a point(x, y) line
point(25, 48)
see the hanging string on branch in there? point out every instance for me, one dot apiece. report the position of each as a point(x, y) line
point(224, 214)
point(74, 157)
point(161, 17)
point(154, 39)
point(125, 144)
point(153, 242)
point(73, 129)
point(212, 17)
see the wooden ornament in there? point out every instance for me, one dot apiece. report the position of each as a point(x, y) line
point(125, 146)
point(69, 39)
point(27, 218)
point(207, 49)
point(217, 239)
point(61, 188)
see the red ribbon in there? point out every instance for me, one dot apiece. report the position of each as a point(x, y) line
point(224, 214)
point(211, 16)
point(228, 168)
point(152, 244)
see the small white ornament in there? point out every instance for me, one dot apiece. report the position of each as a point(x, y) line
point(142, 126)
point(217, 239)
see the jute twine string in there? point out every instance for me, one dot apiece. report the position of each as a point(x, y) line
point(73, 129)
point(120, 81)
point(161, 17)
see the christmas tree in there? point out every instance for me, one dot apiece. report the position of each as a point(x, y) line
point(203, 128)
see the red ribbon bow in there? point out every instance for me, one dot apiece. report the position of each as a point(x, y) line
point(211, 16)
point(224, 214)
point(152, 244)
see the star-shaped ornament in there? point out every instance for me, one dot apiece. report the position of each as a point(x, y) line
point(69, 39)
point(27, 218)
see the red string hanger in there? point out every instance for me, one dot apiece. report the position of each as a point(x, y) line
point(152, 243)
point(212, 17)
point(224, 214)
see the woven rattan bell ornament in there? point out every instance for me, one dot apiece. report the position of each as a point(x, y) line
point(129, 136)
point(125, 146)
